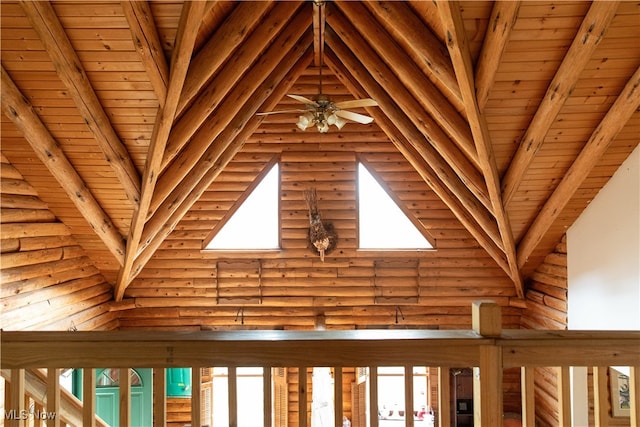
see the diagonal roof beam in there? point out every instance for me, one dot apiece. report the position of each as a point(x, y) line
point(584, 44)
point(71, 72)
point(417, 37)
point(280, 56)
point(408, 140)
point(383, 95)
point(229, 142)
point(430, 130)
point(231, 34)
point(618, 115)
point(432, 167)
point(422, 89)
point(147, 42)
point(223, 88)
point(503, 16)
point(458, 45)
point(213, 93)
point(18, 109)
point(187, 31)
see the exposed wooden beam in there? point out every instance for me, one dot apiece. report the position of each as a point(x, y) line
point(227, 85)
point(422, 89)
point(188, 30)
point(584, 44)
point(147, 42)
point(224, 42)
point(409, 141)
point(430, 129)
point(458, 45)
point(224, 147)
point(404, 25)
point(70, 70)
point(503, 16)
point(21, 113)
point(318, 32)
point(620, 112)
point(210, 97)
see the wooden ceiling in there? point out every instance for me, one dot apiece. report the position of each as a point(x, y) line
point(497, 124)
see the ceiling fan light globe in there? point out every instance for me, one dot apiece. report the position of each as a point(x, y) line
point(339, 122)
point(305, 121)
point(323, 127)
point(332, 119)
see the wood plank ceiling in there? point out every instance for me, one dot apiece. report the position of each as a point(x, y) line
point(497, 123)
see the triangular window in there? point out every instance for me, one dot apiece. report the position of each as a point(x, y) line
point(254, 224)
point(382, 224)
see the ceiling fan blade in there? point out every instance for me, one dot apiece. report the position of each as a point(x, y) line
point(355, 103)
point(354, 117)
point(303, 100)
point(266, 113)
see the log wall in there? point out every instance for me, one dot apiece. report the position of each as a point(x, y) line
point(48, 283)
point(547, 309)
point(183, 287)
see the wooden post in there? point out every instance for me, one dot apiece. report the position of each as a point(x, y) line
point(125, 396)
point(89, 397)
point(600, 396)
point(16, 404)
point(487, 378)
point(337, 393)
point(564, 396)
point(159, 397)
point(53, 396)
point(302, 396)
point(444, 396)
point(634, 385)
point(527, 392)
point(267, 396)
point(232, 375)
point(196, 394)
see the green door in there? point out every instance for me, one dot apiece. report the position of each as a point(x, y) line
point(108, 395)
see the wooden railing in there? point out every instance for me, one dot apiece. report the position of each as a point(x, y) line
point(487, 347)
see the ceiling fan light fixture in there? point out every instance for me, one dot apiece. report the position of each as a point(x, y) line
point(339, 121)
point(323, 127)
point(306, 120)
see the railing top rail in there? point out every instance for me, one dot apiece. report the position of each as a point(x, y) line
point(24, 349)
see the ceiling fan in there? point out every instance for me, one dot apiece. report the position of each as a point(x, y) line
point(322, 112)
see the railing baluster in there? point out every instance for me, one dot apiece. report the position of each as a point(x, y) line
point(444, 396)
point(373, 395)
point(634, 385)
point(564, 396)
point(267, 396)
point(302, 396)
point(600, 396)
point(527, 390)
point(88, 397)
point(159, 397)
point(196, 394)
point(125, 397)
point(17, 393)
point(408, 395)
point(53, 396)
point(338, 405)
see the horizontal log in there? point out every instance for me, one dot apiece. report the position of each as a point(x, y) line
point(18, 230)
point(25, 215)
